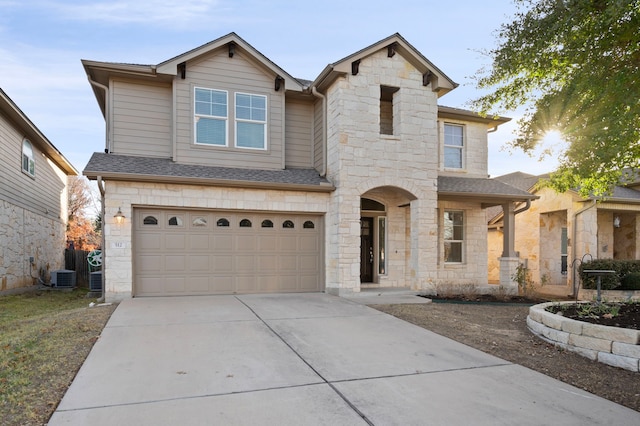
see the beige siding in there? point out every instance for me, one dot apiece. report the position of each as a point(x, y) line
point(318, 135)
point(141, 119)
point(43, 194)
point(298, 133)
point(237, 74)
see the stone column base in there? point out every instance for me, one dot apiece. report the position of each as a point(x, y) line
point(508, 268)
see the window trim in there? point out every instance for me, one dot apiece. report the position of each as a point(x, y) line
point(461, 242)
point(461, 148)
point(237, 120)
point(29, 157)
point(197, 116)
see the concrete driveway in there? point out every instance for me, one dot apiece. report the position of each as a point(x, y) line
point(304, 359)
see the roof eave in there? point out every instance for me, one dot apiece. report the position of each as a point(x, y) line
point(137, 177)
point(34, 134)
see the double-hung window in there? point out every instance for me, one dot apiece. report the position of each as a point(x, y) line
point(28, 159)
point(211, 117)
point(453, 236)
point(251, 121)
point(453, 146)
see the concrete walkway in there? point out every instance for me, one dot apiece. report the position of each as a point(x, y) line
point(304, 359)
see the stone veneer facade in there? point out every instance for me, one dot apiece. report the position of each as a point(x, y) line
point(26, 234)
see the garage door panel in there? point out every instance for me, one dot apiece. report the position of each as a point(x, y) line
point(147, 242)
point(222, 264)
point(175, 263)
point(175, 241)
point(149, 263)
point(198, 263)
point(197, 253)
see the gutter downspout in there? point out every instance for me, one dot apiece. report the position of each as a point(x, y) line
point(575, 236)
point(524, 208)
point(102, 211)
point(315, 92)
point(107, 129)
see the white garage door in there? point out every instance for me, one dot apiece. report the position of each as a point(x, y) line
point(187, 252)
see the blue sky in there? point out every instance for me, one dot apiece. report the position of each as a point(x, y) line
point(43, 41)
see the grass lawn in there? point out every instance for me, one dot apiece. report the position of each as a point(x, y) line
point(44, 338)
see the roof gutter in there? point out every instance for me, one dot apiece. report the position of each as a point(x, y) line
point(315, 92)
point(107, 128)
point(102, 189)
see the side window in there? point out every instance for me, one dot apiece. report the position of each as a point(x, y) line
point(251, 121)
point(453, 146)
point(210, 117)
point(387, 106)
point(28, 159)
point(453, 236)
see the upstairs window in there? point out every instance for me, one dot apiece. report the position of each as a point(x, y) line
point(453, 146)
point(210, 117)
point(453, 236)
point(251, 121)
point(28, 160)
point(386, 109)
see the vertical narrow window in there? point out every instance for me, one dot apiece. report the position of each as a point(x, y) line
point(386, 109)
point(28, 160)
point(382, 245)
point(453, 146)
point(564, 242)
point(210, 117)
point(453, 236)
point(251, 121)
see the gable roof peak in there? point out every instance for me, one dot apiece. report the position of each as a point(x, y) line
point(395, 43)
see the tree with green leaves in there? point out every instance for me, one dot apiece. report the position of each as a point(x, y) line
point(575, 65)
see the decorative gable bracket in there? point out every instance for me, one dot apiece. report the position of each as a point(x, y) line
point(182, 70)
point(279, 83)
point(355, 67)
point(391, 50)
point(232, 48)
point(426, 78)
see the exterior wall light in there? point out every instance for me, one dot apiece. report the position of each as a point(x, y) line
point(119, 217)
point(616, 222)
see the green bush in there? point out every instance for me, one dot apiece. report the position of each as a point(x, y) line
point(609, 282)
point(630, 281)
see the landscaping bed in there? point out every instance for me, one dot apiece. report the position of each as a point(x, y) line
point(623, 315)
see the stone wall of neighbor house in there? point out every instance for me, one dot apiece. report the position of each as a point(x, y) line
point(25, 234)
point(625, 237)
point(118, 254)
point(495, 245)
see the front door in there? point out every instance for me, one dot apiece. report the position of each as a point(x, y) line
point(366, 249)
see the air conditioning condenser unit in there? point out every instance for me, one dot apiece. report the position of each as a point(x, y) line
point(63, 278)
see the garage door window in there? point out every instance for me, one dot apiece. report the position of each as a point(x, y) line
point(308, 225)
point(267, 223)
point(150, 220)
point(222, 222)
point(245, 223)
point(199, 221)
point(287, 224)
point(175, 221)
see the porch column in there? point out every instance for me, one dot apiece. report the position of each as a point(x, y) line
point(509, 261)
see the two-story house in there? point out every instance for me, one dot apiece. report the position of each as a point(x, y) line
point(33, 200)
point(224, 174)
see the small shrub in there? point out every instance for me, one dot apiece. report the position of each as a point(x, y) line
point(608, 282)
point(630, 281)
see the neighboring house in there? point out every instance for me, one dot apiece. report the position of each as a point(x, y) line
point(234, 177)
point(33, 200)
point(559, 231)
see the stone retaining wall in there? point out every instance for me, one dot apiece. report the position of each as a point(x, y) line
point(619, 347)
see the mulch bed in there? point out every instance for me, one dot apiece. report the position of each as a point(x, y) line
point(628, 315)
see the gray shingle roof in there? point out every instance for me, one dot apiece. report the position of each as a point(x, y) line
point(126, 167)
point(480, 187)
